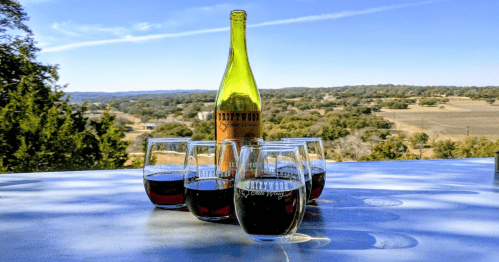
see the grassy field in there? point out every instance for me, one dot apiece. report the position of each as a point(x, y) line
point(458, 117)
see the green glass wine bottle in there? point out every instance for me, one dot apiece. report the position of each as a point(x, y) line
point(238, 106)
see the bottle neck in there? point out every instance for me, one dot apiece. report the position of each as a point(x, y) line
point(238, 40)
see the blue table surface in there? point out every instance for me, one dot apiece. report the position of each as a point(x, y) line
point(429, 210)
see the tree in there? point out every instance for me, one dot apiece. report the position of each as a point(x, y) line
point(388, 150)
point(473, 146)
point(203, 130)
point(353, 146)
point(35, 123)
point(112, 148)
point(396, 104)
point(391, 149)
point(172, 130)
point(444, 149)
point(332, 132)
point(428, 102)
point(39, 130)
point(418, 140)
point(374, 135)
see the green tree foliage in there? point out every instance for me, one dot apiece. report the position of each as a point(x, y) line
point(356, 119)
point(203, 130)
point(39, 130)
point(109, 138)
point(172, 130)
point(444, 148)
point(473, 146)
point(418, 141)
point(290, 126)
point(390, 149)
point(428, 102)
point(374, 134)
point(332, 132)
point(397, 103)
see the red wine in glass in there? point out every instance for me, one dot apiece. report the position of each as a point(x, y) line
point(318, 182)
point(165, 190)
point(211, 199)
point(270, 212)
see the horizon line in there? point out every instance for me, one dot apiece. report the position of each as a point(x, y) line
point(363, 85)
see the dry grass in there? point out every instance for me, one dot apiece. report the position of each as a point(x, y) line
point(132, 136)
point(452, 122)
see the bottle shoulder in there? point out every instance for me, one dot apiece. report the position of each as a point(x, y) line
point(238, 91)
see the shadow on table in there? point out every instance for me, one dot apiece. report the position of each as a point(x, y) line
point(6, 186)
point(317, 231)
point(359, 197)
point(247, 251)
point(214, 241)
point(320, 231)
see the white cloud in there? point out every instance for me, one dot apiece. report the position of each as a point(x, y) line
point(61, 28)
point(145, 26)
point(175, 19)
point(129, 38)
point(71, 29)
point(338, 15)
point(192, 15)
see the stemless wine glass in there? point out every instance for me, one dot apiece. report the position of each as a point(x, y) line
point(305, 160)
point(317, 163)
point(209, 181)
point(269, 203)
point(164, 171)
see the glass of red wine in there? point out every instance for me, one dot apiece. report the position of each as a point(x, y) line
point(209, 181)
point(305, 160)
point(164, 171)
point(317, 163)
point(269, 200)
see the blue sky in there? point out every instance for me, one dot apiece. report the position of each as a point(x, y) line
point(130, 45)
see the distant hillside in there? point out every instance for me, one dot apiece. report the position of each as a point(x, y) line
point(104, 97)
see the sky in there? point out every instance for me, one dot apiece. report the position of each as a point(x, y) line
point(129, 45)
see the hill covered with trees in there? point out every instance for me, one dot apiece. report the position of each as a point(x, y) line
point(342, 116)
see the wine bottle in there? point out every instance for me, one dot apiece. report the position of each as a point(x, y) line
point(238, 106)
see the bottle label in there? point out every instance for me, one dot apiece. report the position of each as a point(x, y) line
point(238, 124)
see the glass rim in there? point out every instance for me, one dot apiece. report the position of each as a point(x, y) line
point(242, 139)
point(301, 139)
point(238, 15)
point(200, 142)
point(209, 142)
point(271, 148)
point(285, 142)
point(167, 139)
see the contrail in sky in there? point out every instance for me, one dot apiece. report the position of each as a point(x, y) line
point(303, 19)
